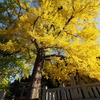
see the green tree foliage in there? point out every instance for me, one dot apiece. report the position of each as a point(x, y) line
point(12, 65)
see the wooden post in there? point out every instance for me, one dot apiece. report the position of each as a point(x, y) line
point(2, 95)
point(84, 89)
point(44, 94)
point(74, 92)
point(23, 88)
point(72, 80)
point(63, 92)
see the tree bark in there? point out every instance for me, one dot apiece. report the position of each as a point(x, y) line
point(35, 82)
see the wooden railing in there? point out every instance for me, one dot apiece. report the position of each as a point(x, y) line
point(79, 92)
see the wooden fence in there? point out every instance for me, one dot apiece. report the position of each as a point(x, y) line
point(75, 92)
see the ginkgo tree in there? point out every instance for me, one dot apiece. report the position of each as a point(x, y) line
point(11, 66)
point(62, 36)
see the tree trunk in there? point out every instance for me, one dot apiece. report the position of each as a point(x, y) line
point(35, 82)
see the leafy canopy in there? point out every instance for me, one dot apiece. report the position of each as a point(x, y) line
point(66, 31)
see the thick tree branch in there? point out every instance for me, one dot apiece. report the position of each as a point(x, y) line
point(35, 43)
point(34, 23)
point(5, 54)
point(69, 20)
point(54, 55)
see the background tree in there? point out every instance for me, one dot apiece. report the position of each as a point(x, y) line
point(62, 36)
point(12, 65)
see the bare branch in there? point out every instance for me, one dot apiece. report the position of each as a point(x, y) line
point(69, 20)
point(71, 34)
point(66, 23)
point(35, 22)
point(73, 5)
